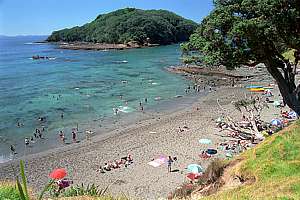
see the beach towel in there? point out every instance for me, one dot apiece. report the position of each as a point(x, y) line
point(205, 141)
point(193, 176)
point(158, 162)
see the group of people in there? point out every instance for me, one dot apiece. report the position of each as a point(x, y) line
point(74, 135)
point(108, 166)
point(116, 110)
point(36, 135)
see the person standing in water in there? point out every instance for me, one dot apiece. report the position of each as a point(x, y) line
point(13, 149)
point(62, 115)
point(74, 136)
point(26, 141)
point(40, 134)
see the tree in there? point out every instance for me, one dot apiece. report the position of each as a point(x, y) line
point(248, 32)
point(128, 25)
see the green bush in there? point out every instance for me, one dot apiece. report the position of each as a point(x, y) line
point(78, 190)
point(9, 192)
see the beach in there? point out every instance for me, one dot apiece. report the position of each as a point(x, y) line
point(147, 135)
point(145, 140)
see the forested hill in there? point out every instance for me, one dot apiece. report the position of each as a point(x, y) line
point(130, 25)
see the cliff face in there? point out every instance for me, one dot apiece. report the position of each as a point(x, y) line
point(128, 25)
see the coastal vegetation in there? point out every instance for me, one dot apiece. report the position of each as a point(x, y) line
point(130, 25)
point(247, 32)
point(9, 191)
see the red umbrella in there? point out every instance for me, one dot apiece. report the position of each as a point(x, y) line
point(58, 173)
point(193, 176)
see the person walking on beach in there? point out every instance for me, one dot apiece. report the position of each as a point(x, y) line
point(169, 162)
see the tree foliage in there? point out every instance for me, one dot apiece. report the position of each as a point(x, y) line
point(246, 32)
point(130, 24)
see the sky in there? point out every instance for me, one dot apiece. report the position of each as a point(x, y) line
point(41, 17)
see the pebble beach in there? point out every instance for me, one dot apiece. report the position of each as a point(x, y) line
point(145, 140)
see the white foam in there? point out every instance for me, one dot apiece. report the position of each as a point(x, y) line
point(4, 158)
point(121, 61)
point(125, 109)
point(157, 98)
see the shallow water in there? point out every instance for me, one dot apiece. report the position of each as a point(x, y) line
point(85, 86)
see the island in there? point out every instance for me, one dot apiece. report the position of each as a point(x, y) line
point(126, 28)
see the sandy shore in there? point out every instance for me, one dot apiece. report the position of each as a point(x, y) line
point(144, 140)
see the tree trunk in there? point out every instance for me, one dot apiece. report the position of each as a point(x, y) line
point(289, 94)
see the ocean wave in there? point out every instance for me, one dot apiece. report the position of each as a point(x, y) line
point(4, 158)
point(123, 109)
point(34, 43)
point(121, 61)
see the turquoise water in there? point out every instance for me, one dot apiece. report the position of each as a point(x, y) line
point(83, 85)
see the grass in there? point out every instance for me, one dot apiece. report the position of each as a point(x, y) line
point(8, 191)
point(274, 165)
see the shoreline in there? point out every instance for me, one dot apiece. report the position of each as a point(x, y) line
point(144, 141)
point(99, 46)
point(108, 124)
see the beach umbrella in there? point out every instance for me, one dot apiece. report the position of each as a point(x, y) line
point(58, 174)
point(205, 141)
point(276, 122)
point(193, 176)
point(195, 168)
point(293, 114)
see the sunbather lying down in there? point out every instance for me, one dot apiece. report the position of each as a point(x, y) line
point(204, 155)
point(108, 166)
point(184, 128)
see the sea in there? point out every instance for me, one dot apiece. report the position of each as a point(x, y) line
point(88, 90)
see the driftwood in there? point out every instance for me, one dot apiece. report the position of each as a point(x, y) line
point(251, 109)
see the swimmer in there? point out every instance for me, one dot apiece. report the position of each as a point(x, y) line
point(26, 141)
